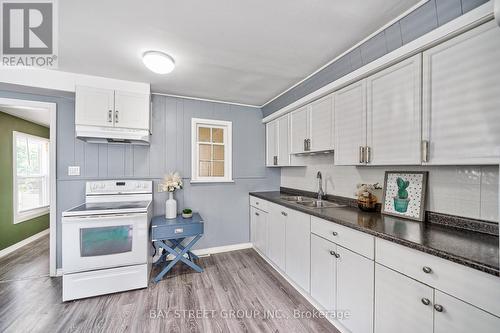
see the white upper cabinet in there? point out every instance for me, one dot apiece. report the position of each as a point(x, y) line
point(94, 107)
point(321, 124)
point(394, 114)
point(401, 304)
point(461, 91)
point(278, 142)
point(349, 105)
point(312, 127)
point(283, 141)
point(272, 143)
point(131, 110)
point(111, 108)
point(299, 127)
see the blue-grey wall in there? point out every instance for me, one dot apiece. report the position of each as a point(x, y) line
point(224, 206)
point(426, 18)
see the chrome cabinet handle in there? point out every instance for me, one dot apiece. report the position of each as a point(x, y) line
point(308, 144)
point(305, 144)
point(257, 214)
point(110, 116)
point(335, 233)
point(284, 214)
point(438, 308)
point(335, 254)
point(426, 301)
point(275, 160)
point(361, 154)
point(426, 269)
point(368, 154)
point(116, 116)
point(256, 202)
point(425, 150)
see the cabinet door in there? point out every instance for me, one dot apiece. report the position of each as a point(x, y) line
point(298, 248)
point(94, 107)
point(321, 124)
point(398, 303)
point(460, 317)
point(283, 141)
point(349, 106)
point(272, 143)
point(355, 293)
point(394, 114)
point(323, 272)
point(259, 222)
point(299, 129)
point(276, 241)
point(131, 110)
point(462, 98)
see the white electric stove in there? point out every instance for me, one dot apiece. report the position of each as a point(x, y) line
point(105, 241)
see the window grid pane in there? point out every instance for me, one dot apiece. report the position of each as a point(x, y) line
point(32, 168)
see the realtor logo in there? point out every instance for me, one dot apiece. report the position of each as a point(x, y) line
point(28, 33)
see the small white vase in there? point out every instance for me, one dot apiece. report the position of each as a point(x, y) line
point(171, 207)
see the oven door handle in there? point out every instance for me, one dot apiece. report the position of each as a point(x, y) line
point(102, 216)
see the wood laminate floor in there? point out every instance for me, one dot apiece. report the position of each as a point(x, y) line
point(237, 292)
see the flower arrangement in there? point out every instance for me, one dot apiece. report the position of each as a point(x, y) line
point(367, 200)
point(170, 183)
point(365, 190)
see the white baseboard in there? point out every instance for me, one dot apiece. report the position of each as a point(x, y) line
point(303, 292)
point(221, 249)
point(26, 241)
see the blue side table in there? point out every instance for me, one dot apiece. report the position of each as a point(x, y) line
point(168, 234)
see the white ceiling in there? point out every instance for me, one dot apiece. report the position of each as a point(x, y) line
point(38, 116)
point(237, 51)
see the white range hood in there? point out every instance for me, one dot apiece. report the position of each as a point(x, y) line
point(96, 134)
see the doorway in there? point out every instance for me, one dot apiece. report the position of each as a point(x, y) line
point(30, 128)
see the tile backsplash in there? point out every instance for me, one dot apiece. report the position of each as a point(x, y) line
point(469, 191)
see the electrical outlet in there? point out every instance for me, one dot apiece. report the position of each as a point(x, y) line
point(73, 171)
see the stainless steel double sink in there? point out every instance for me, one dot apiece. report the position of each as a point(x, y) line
point(311, 203)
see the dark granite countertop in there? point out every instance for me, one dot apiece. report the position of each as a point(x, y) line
point(470, 248)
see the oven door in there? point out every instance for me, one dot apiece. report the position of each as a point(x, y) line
point(103, 241)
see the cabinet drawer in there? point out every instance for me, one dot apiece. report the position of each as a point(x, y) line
point(351, 239)
point(176, 231)
point(472, 286)
point(259, 203)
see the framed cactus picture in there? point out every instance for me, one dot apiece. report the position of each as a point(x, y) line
point(404, 194)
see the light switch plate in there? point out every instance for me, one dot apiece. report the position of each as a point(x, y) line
point(73, 171)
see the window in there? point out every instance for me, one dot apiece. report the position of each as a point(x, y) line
point(31, 176)
point(211, 150)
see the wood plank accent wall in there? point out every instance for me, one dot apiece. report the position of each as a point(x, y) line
point(422, 20)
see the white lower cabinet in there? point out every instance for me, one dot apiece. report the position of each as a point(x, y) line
point(276, 232)
point(399, 303)
point(326, 262)
point(406, 305)
point(297, 249)
point(460, 317)
point(258, 226)
point(323, 272)
point(342, 280)
point(355, 284)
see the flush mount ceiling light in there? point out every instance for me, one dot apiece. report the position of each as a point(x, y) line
point(158, 62)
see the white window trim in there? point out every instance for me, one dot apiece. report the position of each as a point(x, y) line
point(35, 212)
point(228, 159)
